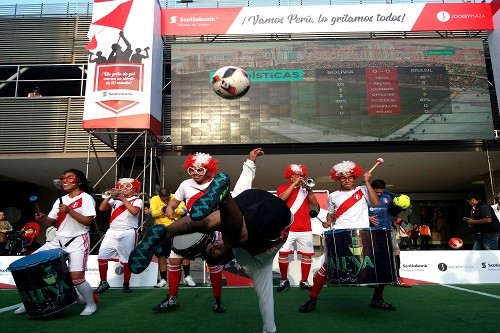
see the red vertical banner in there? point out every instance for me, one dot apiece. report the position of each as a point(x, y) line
point(124, 76)
point(382, 91)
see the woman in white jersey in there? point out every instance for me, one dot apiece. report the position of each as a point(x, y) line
point(73, 215)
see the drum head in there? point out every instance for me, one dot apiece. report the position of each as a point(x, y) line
point(191, 245)
point(185, 241)
point(35, 259)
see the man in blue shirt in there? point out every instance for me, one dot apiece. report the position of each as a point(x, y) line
point(383, 216)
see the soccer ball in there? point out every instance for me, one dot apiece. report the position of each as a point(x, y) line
point(402, 201)
point(455, 243)
point(230, 82)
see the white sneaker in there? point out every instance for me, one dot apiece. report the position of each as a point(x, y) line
point(188, 280)
point(20, 310)
point(89, 310)
point(161, 284)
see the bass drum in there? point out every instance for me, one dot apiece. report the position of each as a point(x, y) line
point(360, 257)
point(192, 245)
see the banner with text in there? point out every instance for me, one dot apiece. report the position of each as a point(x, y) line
point(125, 66)
point(335, 18)
point(450, 267)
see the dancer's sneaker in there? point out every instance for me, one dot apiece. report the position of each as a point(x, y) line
point(381, 304)
point(126, 288)
point(284, 284)
point(168, 304)
point(20, 310)
point(161, 284)
point(308, 305)
point(140, 257)
point(304, 285)
point(188, 281)
point(218, 305)
point(216, 193)
point(89, 310)
point(102, 287)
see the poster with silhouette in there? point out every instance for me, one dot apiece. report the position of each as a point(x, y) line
point(124, 66)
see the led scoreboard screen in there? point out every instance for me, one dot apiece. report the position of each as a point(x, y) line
point(333, 91)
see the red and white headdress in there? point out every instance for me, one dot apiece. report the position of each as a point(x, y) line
point(202, 160)
point(136, 185)
point(346, 168)
point(295, 169)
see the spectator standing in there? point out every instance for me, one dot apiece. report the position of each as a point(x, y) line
point(383, 216)
point(485, 224)
point(5, 228)
point(158, 206)
point(414, 236)
point(425, 236)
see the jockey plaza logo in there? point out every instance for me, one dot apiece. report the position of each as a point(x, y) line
point(444, 16)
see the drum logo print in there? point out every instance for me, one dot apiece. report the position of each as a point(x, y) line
point(50, 276)
point(48, 292)
point(359, 257)
point(346, 265)
point(356, 247)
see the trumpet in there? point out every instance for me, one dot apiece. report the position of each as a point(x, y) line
point(309, 182)
point(111, 193)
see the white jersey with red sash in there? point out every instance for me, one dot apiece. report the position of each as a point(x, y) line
point(67, 226)
point(189, 191)
point(350, 208)
point(121, 219)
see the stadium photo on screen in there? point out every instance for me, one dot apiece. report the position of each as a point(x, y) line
point(343, 90)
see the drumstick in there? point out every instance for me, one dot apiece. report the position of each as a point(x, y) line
point(57, 184)
point(34, 199)
point(380, 160)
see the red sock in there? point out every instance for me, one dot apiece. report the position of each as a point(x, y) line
point(216, 280)
point(126, 273)
point(103, 269)
point(283, 265)
point(174, 279)
point(319, 281)
point(305, 267)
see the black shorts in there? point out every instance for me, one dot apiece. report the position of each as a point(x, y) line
point(266, 215)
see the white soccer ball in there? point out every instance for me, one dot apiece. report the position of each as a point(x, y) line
point(230, 82)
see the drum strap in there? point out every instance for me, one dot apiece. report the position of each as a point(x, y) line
point(67, 243)
point(355, 197)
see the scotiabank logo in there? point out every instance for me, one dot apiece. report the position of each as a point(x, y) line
point(192, 19)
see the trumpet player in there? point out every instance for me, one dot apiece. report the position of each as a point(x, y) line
point(120, 238)
point(298, 195)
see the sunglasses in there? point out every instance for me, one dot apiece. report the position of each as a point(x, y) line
point(191, 171)
point(69, 179)
point(126, 186)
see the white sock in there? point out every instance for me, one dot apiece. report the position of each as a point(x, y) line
point(86, 291)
